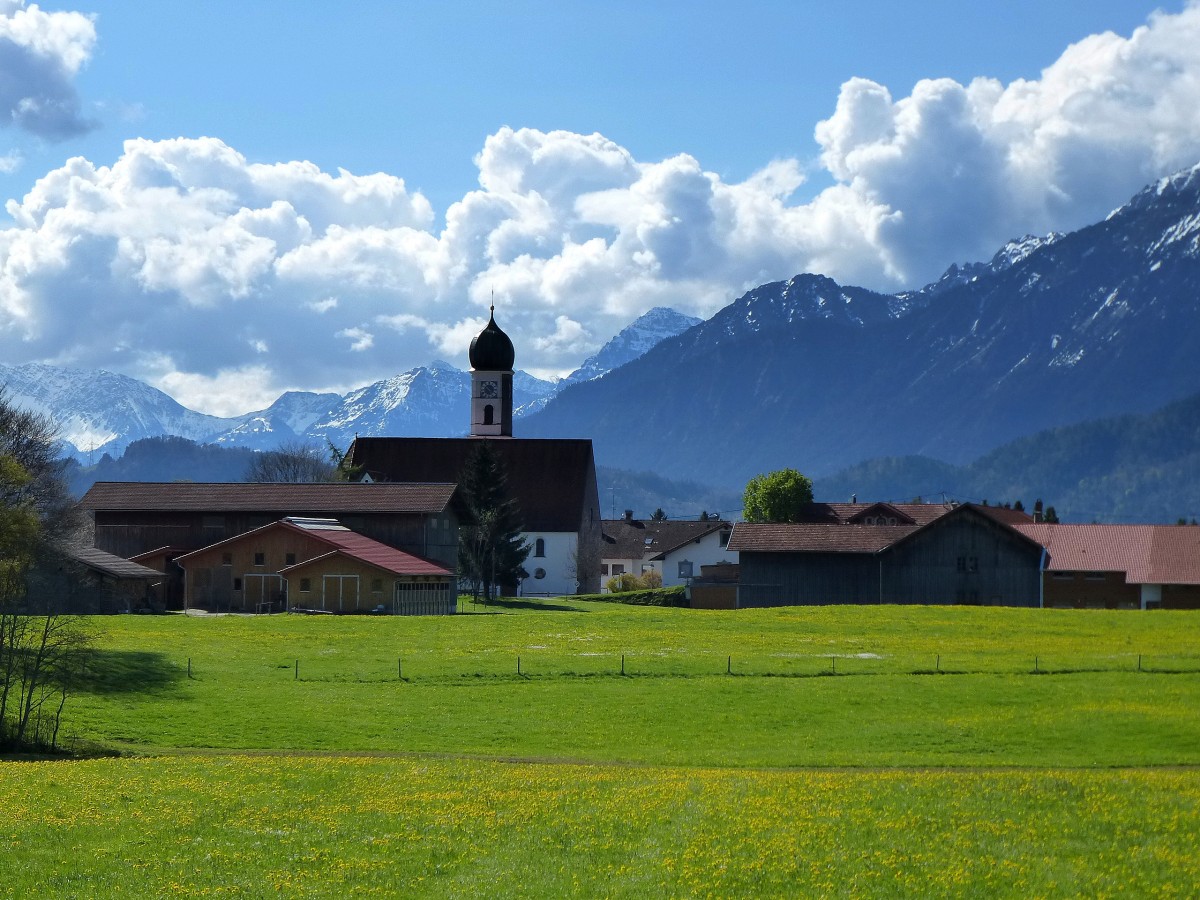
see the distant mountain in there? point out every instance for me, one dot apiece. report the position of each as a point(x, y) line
point(810, 374)
point(645, 332)
point(98, 411)
point(1132, 468)
point(102, 412)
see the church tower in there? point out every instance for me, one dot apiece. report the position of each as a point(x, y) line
point(492, 359)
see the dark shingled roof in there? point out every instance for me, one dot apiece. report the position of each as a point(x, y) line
point(113, 566)
point(844, 513)
point(650, 539)
point(282, 498)
point(548, 478)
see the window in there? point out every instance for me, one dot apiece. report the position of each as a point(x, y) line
point(725, 539)
point(260, 558)
point(604, 569)
point(968, 564)
point(489, 415)
point(227, 559)
point(539, 547)
point(1094, 576)
point(237, 584)
point(289, 559)
point(539, 573)
point(647, 567)
point(305, 585)
point(618, 568)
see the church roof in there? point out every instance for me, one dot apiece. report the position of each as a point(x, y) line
point(491, 349)
point(552, 480)
point(280, 497)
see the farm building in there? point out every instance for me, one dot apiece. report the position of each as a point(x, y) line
point(889, 553)
point(675, 549)
point(155, 522)
point(1120, 566)
point(313, 563)
point(86, 580)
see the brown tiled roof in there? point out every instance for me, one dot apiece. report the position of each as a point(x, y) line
point(271, 498)
point(549, 479)
point(1147, 554)
point(114, 566)
point(808, 538)
point(651, 539)
point(843, 513)
point(1005, 515)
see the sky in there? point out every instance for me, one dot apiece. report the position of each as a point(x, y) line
point(229, 200)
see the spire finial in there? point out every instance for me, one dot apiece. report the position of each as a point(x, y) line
point(492, 308)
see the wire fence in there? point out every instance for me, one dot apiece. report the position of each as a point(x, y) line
point(432, 666)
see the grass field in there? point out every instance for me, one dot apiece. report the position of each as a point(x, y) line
point(956, 751)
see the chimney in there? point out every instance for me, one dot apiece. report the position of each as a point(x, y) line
point(854, 498)
point(629, 515)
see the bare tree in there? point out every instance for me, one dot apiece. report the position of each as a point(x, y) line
point(41, 645)
point(294, 461)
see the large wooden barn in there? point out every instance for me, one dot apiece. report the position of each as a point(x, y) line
point(157, 522)
point(315, 564)
point(889, 553)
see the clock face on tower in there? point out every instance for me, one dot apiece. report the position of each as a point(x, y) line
point(489, 390)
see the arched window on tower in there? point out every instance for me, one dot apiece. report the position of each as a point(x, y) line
point(539, 547)
point(489, 415)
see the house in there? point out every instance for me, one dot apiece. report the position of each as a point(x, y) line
point(1119, 566)
point(552, 481)
point(157, 522)
point(675, 549)
point(889, 553)
point(313, 563)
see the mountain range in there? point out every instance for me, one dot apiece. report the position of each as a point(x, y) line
point(102, 412)
point(813, 375)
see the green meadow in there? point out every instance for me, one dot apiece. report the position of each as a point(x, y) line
point(565, 748)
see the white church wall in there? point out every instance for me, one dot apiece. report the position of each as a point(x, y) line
point(557, 563)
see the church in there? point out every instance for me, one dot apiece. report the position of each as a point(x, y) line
point(553, 481)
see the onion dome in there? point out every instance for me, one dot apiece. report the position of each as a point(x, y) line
point(491, 349)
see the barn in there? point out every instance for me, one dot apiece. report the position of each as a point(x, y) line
point(889, 553)
point(313, 564)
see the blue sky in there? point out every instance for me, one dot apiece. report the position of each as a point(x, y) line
point(585, 161)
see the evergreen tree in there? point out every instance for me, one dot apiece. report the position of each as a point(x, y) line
point(492, 552)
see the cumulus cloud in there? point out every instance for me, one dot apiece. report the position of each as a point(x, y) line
point(40, 55)
point(231, 281)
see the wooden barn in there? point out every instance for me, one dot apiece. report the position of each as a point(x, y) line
point(157, 522)
point(890, 553)
point(314, 564)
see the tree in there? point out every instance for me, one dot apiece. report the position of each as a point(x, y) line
point(776, 496)
point(1051, 516)
point(293, 461)
point(491, 551)
point(41, 646)
point(658, 515)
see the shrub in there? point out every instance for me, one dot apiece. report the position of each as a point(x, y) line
point(619, 584)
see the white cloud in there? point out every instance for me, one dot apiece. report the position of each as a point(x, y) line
point(40, 55)
point(184, 251)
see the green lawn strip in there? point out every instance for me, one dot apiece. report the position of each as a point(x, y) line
point(336, 826)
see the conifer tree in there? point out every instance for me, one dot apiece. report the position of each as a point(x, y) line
point(491, 550)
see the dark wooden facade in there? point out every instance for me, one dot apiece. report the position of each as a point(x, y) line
point(965, 557)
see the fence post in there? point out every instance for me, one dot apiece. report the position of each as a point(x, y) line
point(834, 659)
point(729, 666)
point(1035, 664)
point(399, 669)
point(518, 665)
point(939, 662)
point(1139, 662)
point(190, 666)
point(622, 663)
point(297, 676)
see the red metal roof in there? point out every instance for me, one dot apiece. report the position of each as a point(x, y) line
point(1147, 554)
point(339, 539)
point(282, 498)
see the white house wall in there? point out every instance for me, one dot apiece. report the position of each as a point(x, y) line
point(705, 551)
point(558, 563)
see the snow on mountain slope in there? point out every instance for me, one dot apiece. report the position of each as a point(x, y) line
point(633, 341)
